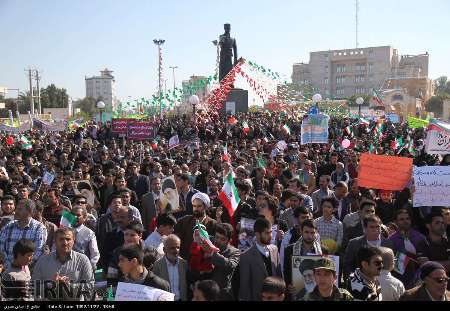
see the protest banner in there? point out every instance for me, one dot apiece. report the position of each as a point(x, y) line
point(303, 273)
point(393, 117)
point(314, 129)
point(48, 178)
point(384, 172)
point(120, 126)
point(59, 126)
point(432, 186)
point(174, 141)
point(438, 137)
point(137, 292)
point(417, 123)
point(140, 130)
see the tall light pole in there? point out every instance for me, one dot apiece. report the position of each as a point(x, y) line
point(194, 101)
point(173, 75)
point(359, 102)
point(159, 43)
point(101, 105)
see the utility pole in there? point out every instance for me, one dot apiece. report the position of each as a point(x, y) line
point(159, 43)
point(30, 77)
point(357, 22)
point(173, 75)
point(38, 78)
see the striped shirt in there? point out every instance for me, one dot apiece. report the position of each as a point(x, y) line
point(333, 229)
point(77, 268)
point(12, 232)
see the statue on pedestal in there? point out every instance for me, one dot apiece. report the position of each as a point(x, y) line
point(228, 52)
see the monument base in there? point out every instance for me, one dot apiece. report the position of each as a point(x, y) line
point(237, 101)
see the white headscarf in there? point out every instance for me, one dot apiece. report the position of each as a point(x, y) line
point(202, 197)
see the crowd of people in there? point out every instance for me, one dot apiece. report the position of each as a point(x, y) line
point(304, 229)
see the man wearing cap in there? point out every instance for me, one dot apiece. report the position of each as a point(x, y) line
point(434, 286)
point(325, 279)
point(185, 225)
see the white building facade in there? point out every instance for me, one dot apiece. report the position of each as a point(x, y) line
point(104, 87)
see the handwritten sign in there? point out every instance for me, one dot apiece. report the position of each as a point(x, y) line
point(136, 292)
point(438, 138)
point(432, 186)
point(120, 126)
point(140, 130)
point(314, 129)
point(384, 172)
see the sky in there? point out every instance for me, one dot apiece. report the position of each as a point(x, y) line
point(68, 40)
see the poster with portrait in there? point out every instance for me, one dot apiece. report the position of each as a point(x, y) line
point(303, 273)
point(84, 188)
point(247, 235)
point(169, 198)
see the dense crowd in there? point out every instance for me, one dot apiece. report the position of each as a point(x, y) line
point(295, 202)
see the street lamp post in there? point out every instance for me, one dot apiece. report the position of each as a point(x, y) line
point(101, 105)
point(173, 75)
point(359, 102)
point(194, 101)
point(159, 43)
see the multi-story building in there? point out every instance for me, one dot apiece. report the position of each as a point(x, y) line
point(104, 87)
point(343, 73)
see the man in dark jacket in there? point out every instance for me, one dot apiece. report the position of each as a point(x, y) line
point(137, 182)
point(131, 264)
point(225, 261)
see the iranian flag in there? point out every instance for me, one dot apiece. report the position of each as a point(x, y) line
point(376, 97)
point(67, 219)
point(204, 236)
point(401, 261)
point(225, 156)
point(229, 195)
point(245, 127)
point(363, 121)
point(287, 129)
point(397, 143)
point(26, 144)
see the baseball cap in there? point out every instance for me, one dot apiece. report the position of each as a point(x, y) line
point(326, 264)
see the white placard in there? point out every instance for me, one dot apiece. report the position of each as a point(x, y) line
point(230, 107)
point(432, 186)
point(136, 292)
point(48, 178)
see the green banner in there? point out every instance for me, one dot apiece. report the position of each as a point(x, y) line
point(417, 123)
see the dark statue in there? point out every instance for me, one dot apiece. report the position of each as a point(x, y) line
point(228, 49)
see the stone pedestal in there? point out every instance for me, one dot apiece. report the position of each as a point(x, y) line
point(237, 101)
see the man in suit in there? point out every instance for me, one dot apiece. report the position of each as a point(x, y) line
point(148, 203)
point(372, 237)
point(258, 262)
point(185, 226)
point(186, 193)
point(173, 268)
point(137, 182)
point(323, 192)
point(340, 194)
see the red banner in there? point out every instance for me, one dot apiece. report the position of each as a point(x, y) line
point(140, 130)
point(120, 126)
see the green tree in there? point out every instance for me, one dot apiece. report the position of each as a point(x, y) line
point(53, 97)
point(442, 85)
point(435, 104)
point(86, 105)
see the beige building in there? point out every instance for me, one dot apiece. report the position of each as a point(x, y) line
point(344, 73)
point(103, 86)
point(446, 110)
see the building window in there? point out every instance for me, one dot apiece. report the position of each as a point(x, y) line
point(360, 67)
point(370, 52)
point(359, 78)
point(340, 68)
point(340, 80)
point(360, 90)
point(370, 67)
point(325, 81)
point(340, 91)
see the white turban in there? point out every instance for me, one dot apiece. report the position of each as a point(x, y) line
point(202, 197)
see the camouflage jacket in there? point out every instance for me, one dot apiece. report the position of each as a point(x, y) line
point(339, 294)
